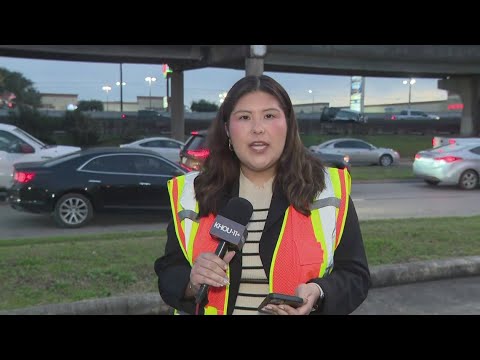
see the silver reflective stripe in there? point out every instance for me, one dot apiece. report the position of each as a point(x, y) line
point(188, 214)
point(328, 216)
point(188, 203)
point(320, 203)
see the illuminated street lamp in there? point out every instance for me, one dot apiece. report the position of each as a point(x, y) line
point(410, 82)
point(107, 89)
point(222, 97)
point(150, 80)
point(313, 98)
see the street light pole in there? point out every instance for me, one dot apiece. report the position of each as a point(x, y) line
point(313, 99)
point(121, 88)
point(150, 79)
point(121, 84)
point(410, 82)
point(106, 88)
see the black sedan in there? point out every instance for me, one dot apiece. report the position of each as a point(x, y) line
point(72, 187)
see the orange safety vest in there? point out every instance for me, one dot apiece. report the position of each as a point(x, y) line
point(305, 247)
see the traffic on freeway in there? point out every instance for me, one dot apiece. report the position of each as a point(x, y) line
point(372, 201)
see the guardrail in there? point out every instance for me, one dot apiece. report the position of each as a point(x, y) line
point(114, 125)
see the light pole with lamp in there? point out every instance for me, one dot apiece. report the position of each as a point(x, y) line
point(410, 82)
point(313, 98)
point(150, 80)
point(222, 97)
point(121, 93)
point(107, 89)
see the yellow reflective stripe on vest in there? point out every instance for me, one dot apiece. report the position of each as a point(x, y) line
point(181, 191)
point(175, 188)
point(210, 310)
point(275, 252)
point(341, 182)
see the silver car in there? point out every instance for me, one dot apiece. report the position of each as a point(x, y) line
point(166, 147)
point(449, 164)
point(359, 151)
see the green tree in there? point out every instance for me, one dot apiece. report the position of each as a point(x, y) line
point(83, 130)
point(90, 105)
point(203, 106)
point(16, 83)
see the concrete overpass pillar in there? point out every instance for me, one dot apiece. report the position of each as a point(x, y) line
point(177, 107)
point(468, 88)
point(253, 66)
point(255, 59)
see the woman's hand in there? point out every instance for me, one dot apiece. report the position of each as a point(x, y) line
point(310, 294)
point(209, 269)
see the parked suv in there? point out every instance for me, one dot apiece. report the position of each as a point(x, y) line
point(195, 151)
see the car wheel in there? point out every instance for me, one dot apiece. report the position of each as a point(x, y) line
point(432, 182)
point(386, 160)
point(73, 211)
point(468, 180)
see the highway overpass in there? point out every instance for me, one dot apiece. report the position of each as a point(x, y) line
point(458, 66)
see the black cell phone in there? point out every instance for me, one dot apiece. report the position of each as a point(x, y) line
point(281, 299)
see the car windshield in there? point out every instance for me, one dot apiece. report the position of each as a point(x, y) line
point(20, 131)
point(196, 142)
point(325, 144)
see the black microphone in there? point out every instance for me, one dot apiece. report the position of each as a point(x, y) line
point(230, 227)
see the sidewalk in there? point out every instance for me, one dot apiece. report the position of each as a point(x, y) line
point(152, 304)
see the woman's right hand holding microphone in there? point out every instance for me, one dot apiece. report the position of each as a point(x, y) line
point(208, 269)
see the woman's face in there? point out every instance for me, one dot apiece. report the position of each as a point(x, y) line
point(257, 130)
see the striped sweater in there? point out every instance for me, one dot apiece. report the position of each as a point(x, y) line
point(254, 282)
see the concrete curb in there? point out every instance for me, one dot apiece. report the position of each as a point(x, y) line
point(397, 274)
point(152, 304)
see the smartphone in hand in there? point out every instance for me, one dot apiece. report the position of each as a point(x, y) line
point(280, 299)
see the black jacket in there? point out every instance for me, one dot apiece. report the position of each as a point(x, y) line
point(345, 288)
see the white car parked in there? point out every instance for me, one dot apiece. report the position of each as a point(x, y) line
point(166, 147)
point(17, 146)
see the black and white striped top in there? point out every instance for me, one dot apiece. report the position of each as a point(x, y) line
point(254, 282)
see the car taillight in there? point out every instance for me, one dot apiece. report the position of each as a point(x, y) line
point(186, 167)
point(434, 142)
point(417, 156)
point(393, 117)
point(23, 176)
point(448, 159)
point(199, 154)
point(451, 141)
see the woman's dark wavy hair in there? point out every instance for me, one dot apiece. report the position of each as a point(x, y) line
point(299, 175)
